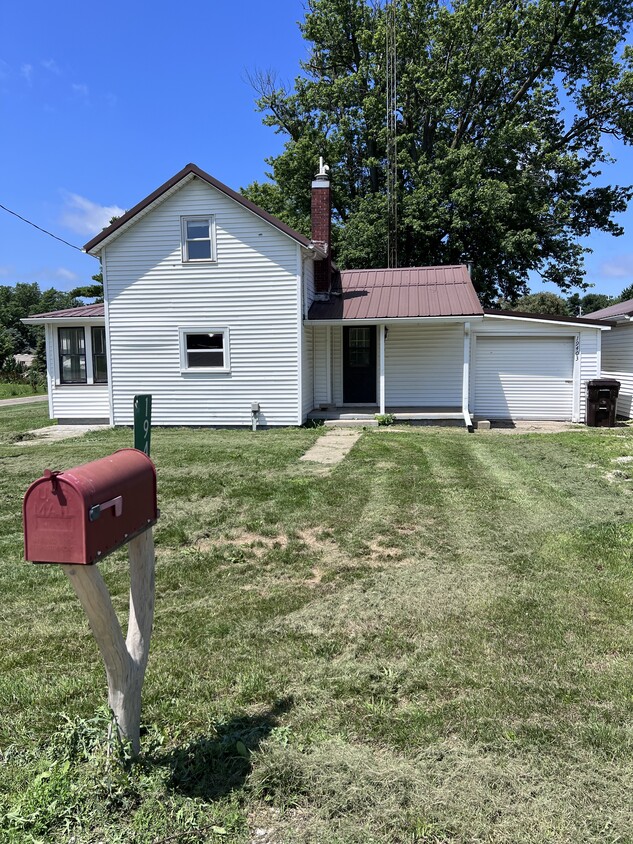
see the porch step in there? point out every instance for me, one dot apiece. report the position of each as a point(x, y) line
point(350, 423)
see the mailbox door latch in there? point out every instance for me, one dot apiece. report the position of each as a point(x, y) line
point(116, 503)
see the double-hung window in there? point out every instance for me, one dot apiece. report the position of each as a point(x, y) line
point(99, 356)
point(198, 239)
point(72, 356)
point(204, 349)
point(82, 355)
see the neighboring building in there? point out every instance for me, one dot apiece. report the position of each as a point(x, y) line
point(211, 305)
point(617, 351)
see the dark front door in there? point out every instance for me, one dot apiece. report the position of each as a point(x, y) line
point(359, 365)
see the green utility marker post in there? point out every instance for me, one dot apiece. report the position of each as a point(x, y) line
point(143, 423)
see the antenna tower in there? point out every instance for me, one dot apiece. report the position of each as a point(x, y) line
point(392, 135)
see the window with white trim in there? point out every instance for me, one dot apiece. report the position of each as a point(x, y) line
point(72, 355)
point(204, 349)
point(198, 239)
point(99, 356)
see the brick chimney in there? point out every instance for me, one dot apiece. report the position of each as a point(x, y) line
point(322, 228)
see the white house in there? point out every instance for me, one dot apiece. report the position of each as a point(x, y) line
point(211, 305)
point(617, 351)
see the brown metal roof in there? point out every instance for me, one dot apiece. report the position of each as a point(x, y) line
point(403, 293)
point(548, 317)
point(192, 169)
point(82, 312)
point(621, 309)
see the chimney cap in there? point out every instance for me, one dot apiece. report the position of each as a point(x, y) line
point(324, 169)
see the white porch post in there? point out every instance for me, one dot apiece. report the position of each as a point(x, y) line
point(466, 376)
point(381, 356)
point(328, 364)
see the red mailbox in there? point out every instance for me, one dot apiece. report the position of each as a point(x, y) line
point(80, 515)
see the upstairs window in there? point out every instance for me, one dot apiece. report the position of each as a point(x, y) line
point(204, 349)
point(72, 355)
point(198, 239)
point(99, 357)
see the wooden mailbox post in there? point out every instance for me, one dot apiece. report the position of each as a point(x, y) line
point(74, 519)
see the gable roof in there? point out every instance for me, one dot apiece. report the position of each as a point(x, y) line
point(81, 312)
point(188, 172)
point(400, 293)
point(621, 309)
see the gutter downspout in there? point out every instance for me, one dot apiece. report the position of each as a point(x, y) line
point(466, 379)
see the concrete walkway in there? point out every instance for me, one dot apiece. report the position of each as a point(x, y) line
point(55, 433)
point(332, 447)
point(22, 400)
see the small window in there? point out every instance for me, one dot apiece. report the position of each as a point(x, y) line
point(99, 357)
point(198, 239)
point(202, 349)
point(72, 355)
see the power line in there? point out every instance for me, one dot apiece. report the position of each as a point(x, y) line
point(39, 228)
point(392, 134)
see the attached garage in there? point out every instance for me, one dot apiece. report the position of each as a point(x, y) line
point(515, 379)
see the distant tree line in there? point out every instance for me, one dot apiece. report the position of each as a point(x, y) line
point(19, 301)
point(574, 305)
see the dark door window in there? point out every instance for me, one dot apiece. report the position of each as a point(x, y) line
point(359, 365)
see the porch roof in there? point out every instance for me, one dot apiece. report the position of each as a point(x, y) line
point(399, 293)
point(84, 313)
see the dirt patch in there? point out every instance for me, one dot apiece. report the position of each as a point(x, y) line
point(616, 475)
point(531, 427)
point(625, 459)
point(254, 542)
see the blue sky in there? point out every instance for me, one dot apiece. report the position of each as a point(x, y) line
point(100, 104)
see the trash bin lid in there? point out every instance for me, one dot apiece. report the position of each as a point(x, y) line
point(604, 383)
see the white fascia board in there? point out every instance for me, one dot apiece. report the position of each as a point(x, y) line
point(78, 321)
point(312, 251)
point(548, 321)
point(396, 321)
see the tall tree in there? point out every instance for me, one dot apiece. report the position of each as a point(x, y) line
point(502, 108)
point(542, 303)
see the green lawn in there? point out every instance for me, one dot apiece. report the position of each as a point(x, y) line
point(12, 391)
point(432, 643)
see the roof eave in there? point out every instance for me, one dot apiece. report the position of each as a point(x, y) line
point(85, 320)
point(548, 319)
point(395, 320)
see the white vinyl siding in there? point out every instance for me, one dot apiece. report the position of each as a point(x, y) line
point(307, 383)
point(321, 394)
point(81, 401)
point(617, 362)
point(74, 401)
point(524, 378)
point(337, 364)
point(308, 270)
point(251, 289)
point(424, 365)
point(590, 353)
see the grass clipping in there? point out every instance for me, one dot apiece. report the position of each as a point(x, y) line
point(452, 792)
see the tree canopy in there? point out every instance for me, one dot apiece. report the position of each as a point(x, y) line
point(502, 109)
point(17, 302)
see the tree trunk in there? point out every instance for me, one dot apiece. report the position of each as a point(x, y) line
point(125, 660)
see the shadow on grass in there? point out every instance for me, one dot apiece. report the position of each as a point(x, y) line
point(210, 767)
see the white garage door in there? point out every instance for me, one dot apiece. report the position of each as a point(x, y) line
point(524, 377)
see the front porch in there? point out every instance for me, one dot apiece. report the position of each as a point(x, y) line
point(416, 371)
point(401, 414)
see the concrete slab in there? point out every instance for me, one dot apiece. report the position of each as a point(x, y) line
point(351, 423)
point(55, 433)
point(332, 447)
